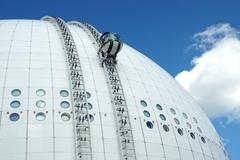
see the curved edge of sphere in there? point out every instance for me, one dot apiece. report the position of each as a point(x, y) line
point(36, 120)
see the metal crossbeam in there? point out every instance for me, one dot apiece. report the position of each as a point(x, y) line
point(83, 149)
point(124, 129)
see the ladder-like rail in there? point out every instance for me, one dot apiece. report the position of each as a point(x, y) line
point(83, 149)
point(122, 117)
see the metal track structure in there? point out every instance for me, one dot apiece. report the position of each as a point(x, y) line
point(124, 129)
point(83, 149)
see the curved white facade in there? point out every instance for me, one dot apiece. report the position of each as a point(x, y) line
point(34, 120)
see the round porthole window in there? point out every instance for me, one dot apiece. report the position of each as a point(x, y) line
point(203, 139)
point(185, 115)
point(64, 93)
point(166, 128)
point(65, 117)
point(199, 130)
point(15, 104)
point(159, 107)
point(14, 117)
point(16, 92)
point(88, 106)
point(149, 124)
point(189, 125)
point(195, 120)
point(146, 113)
point(180, 132)
point(176, 121)
point(40, 104)
point(89, 116)
point(162, 117)
point(88, 95)
point(65, 104)
point(192, 135)
point(40, 116)
point(173, 111)
point(40, 92)
point(143, 103)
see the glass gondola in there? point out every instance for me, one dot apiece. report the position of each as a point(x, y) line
point(110, 46)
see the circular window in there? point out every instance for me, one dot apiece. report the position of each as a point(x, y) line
point(185, 115)
point(64, 93)
point(192, 135)
point(146, 113)
point(90, 117)
point(162, 117)
point(159, 107)
point(16, 92)
point(65, 117)
point(166, 128)
point(15, 104)
point(149, 124)
point(173, 111)
point(143, 103)
point(65, 104)
point(199, 129)
point(176, 121)
point(14, 117)
point(195, 120)
point(203, 139)
point(189, 125)
point(40, 92)
point(40, 116)
point(88, 106)
point(40, 104)
point(88, 95)
point(180, 132)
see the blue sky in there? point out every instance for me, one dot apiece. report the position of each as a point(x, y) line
point(162, 30)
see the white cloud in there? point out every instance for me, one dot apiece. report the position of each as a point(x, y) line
point(214, 80)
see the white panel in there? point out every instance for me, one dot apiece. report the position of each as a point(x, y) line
point(13, 131)
point(194, 143)
point(140, 148)
point(64, 130)
point(168, 137)
point(40, 130)
point(111, 146)
point(108, 119)
point(186, 154)
point(12, 145)
point(97, 145)
point(96, 131)
point(21, 82)
point(171, 152)
point(109, 132)
point(182, 140)
point(64, 144)
point(13, 156)
point(112, 156)
point(198, 156)
point(98, 156)
point(155, 149)
point(38, 145)
point(64, 156)
point(40, 156)
point(18, 64)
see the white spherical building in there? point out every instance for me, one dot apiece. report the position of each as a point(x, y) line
point(58, 101)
